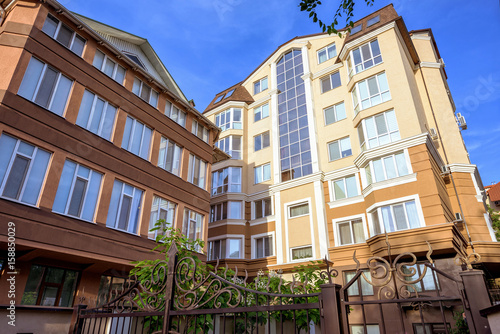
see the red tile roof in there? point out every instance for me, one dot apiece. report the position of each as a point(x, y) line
point(493, 192)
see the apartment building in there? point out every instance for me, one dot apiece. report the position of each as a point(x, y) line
point(338, 142)
point(97, 142)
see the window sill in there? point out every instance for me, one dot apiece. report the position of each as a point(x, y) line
point(73, 217)
point(19, 202)
point(114, 228)
point(225, 222)
point(356, 78)
point(389, 183)
point(347, 156)
point(262, 220)
point(346, 201)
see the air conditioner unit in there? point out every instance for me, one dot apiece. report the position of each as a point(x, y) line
point(461, 123)
point(458, 217)
point(433, 133)
point(445, 170)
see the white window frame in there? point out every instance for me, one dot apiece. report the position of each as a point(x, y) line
point(359, 282)
point(229, 184)
point(378, 206)
point(226, 144)
point(229, 122)
point(343, 154)
point(219, 210)
point(362, 128)
point(153, 97)
point(175, 114)
point(103, 126)
point(329, 78)
point(261, 135)
point(301, 203)
point(260, 111)
point(116, 66)
point(335, 113)
point(304, 258)
point(259, 236)
point(260, 85)
point(170, 214)
point(262, 203)
point(357, 102)
point(202, 176)
point(393, 155)
point(74, 35)
point(74, 178)
point(337, 221)
point(200, 131)
point(351, 67)
point(358, 189)
point(163, 154)
point(326, 49)
point(260, 169)
point(54, 91)
point(187, 228)
point(144, 152)
point(122, 194)
point(225, 238)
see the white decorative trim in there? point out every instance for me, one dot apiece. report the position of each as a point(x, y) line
point(259, 195)
point(347, 47)
point(273, 112)
point(278, 228)
point(327, 70)
point(296, 182)
point(260, 102)
point(225, 106)
point(286, 207)
point(321, 219)
point(462, 168)
point(307, 75)
point(430, 64)
point(490, 227)
point(346, 201)
point(226, 222)
point(340, 173)
point(421, 37)
point(263, 220)
point(389, 183)
point(331, 189)
point(392, 201)
point(480, 195)
point(228, 197)
point(253, 248)
point(336, 232)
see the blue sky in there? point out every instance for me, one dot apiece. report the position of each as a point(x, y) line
point(210, 45)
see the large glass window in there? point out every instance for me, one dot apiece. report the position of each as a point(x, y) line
point(64, 35)
point(396, 217)
point(96, 115)
point(301, 253)
point(334, 113)
point(261, 141)
point(385, 168)
point(124, 207)
point(224, 249)
point(111, 287)
point(350, 232)
point(137, 138)
point(225, 210)
point(295, 147)
point(231, 145)
point(263, 246)
point(330, 82)
point(260, 85)
point(50, 286)
point(428, 282)
point(22, 170)
point(261, 112)
point(263, 207)
point(364, 57)
point(328, 52)
point(339, 149)
point(360, 329)
point(161, 210)
point(103, 63)
point(193, 225)
point(78, 191)
point(378, 130)
point(345, 188)
point(197, 171)
point(226, 180)
point(370, 92)
point(299, 210)
point(175, 113)
point(229, 119)
point(45, 86)
point(145, 92)
point(200, 131)
point(360, 285)
point(169, 156)
point(262, 173)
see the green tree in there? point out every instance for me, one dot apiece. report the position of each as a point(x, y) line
point(346, 7)
point(495, 219)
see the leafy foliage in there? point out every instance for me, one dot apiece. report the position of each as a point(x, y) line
point(346, 7)
point(461, 326)
point(495, 219)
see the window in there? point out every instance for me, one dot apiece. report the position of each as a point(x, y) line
point(326, 53)
point(224, 249)
point(330, 82)
point(261, 141)
point(197, 171)
point(345, 188)
point(378, 130)
point(350, 232)
point(137, 138)
point(299, 210)
point(360, 329)
point(426, 284)
point(370, 92)
point(364, 57)
point(231, 145)
point(145, 92)
point(103, 63)
point(260, 85)
point(135, 59)
point(78, 191)
point(229, 93)
point(300, 253)
point(373, 20)
point(431, 328)
point(219, 98)
point(161, 210)
point(111, 287)
point(169, 157)
point(226, 180)
point(175, 114)
point(193, 225)
point(262, 208)
point(334, 113)
point(262, 173)
point(356, 29)
point(96, 115)
point(339, 149)
point(225, 210)
point(263, 247)
point(124, 207)
point(229, 119)
point(396, 217)
point(64, 35)
point(385, 168)
point(22, 170)
point(261, 112)
point(359, 285)
point(200, 131)
point(50, 286)
point(45, 86)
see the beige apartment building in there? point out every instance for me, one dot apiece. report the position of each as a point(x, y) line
point(337, 142)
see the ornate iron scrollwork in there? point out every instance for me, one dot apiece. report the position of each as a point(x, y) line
point(468, 260)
